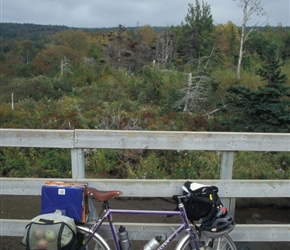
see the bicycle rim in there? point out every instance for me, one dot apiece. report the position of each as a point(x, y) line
point(96, 243)
point(186, 244)
point(223, 243)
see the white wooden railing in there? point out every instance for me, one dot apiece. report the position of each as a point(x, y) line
point(227, 143)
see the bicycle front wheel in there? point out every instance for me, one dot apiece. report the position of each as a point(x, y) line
point(97, 242)
point(222, 243)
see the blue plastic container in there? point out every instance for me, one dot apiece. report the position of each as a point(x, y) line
point(65, 196)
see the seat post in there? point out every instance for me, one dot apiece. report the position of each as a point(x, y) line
point(105, 205)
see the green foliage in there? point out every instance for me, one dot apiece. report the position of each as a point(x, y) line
point(271, 70)
point(102, 163)
point(192, 165)
point(146, 168)
point(150, 86)
point(44, 114)
point(265, 165)
point(50, 60)
point(76, 40)
point(35, 162)
point(259, 111)
point(169, 104)
point(142, 164)
point(35, 88)
point(227, 43)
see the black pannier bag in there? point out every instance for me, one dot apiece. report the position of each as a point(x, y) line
point(204, 202)
point(51, 231)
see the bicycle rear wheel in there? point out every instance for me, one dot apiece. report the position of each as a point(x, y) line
point(222, 243)
point(96, 243)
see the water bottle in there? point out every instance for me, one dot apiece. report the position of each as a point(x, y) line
point(153, 244)
point(123, 239)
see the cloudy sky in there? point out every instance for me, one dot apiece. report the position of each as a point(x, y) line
point(111, 13)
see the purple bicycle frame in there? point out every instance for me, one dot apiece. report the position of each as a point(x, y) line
point(181, 212)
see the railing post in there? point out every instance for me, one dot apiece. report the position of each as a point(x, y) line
point(78, 163)
point(226, 172)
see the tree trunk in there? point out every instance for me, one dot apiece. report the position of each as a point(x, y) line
point(189, 84)
point(241, 53)
point(242, 40)
point(249, 8)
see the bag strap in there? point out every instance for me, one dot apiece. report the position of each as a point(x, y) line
point(60, 234)
point(46, 221)
point(27, 236)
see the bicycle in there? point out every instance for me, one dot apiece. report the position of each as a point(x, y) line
point(193, 239)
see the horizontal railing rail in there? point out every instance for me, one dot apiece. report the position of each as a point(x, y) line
point(157, 188)
point(145, 231)
point(167, 140)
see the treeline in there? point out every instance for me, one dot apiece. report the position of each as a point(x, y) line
point(34, 32)
point(180, 78)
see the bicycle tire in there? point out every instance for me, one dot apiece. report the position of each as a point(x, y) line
point(96, 243)
point(222, 243)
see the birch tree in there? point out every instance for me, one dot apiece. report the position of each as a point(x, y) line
point(249, 7)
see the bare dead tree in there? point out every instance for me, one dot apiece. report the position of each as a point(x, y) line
point(249, 7)
point(195, 93)
point(110, 121)
point(197, 90)
point(114, 120)
point(164, 47)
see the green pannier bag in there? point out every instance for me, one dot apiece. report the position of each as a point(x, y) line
point(52, 231)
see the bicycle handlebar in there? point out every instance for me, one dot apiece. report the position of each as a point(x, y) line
point(190, 198)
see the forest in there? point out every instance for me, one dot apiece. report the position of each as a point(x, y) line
point(178, 78)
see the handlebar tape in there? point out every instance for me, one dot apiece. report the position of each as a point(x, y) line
point(192, 198)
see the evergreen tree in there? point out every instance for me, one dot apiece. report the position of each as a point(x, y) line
point(271, 67)
point(268, 108)
point(197, 39)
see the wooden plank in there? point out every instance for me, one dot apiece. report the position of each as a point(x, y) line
point(222, 141)
point(78, 163)
point(226, 172)
point(227, 188)
point(21, 186)
point(11, 227)
point(261, 232)
point(227, 163)
point(145, 231)
point(37, 138)
point(158, 188)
